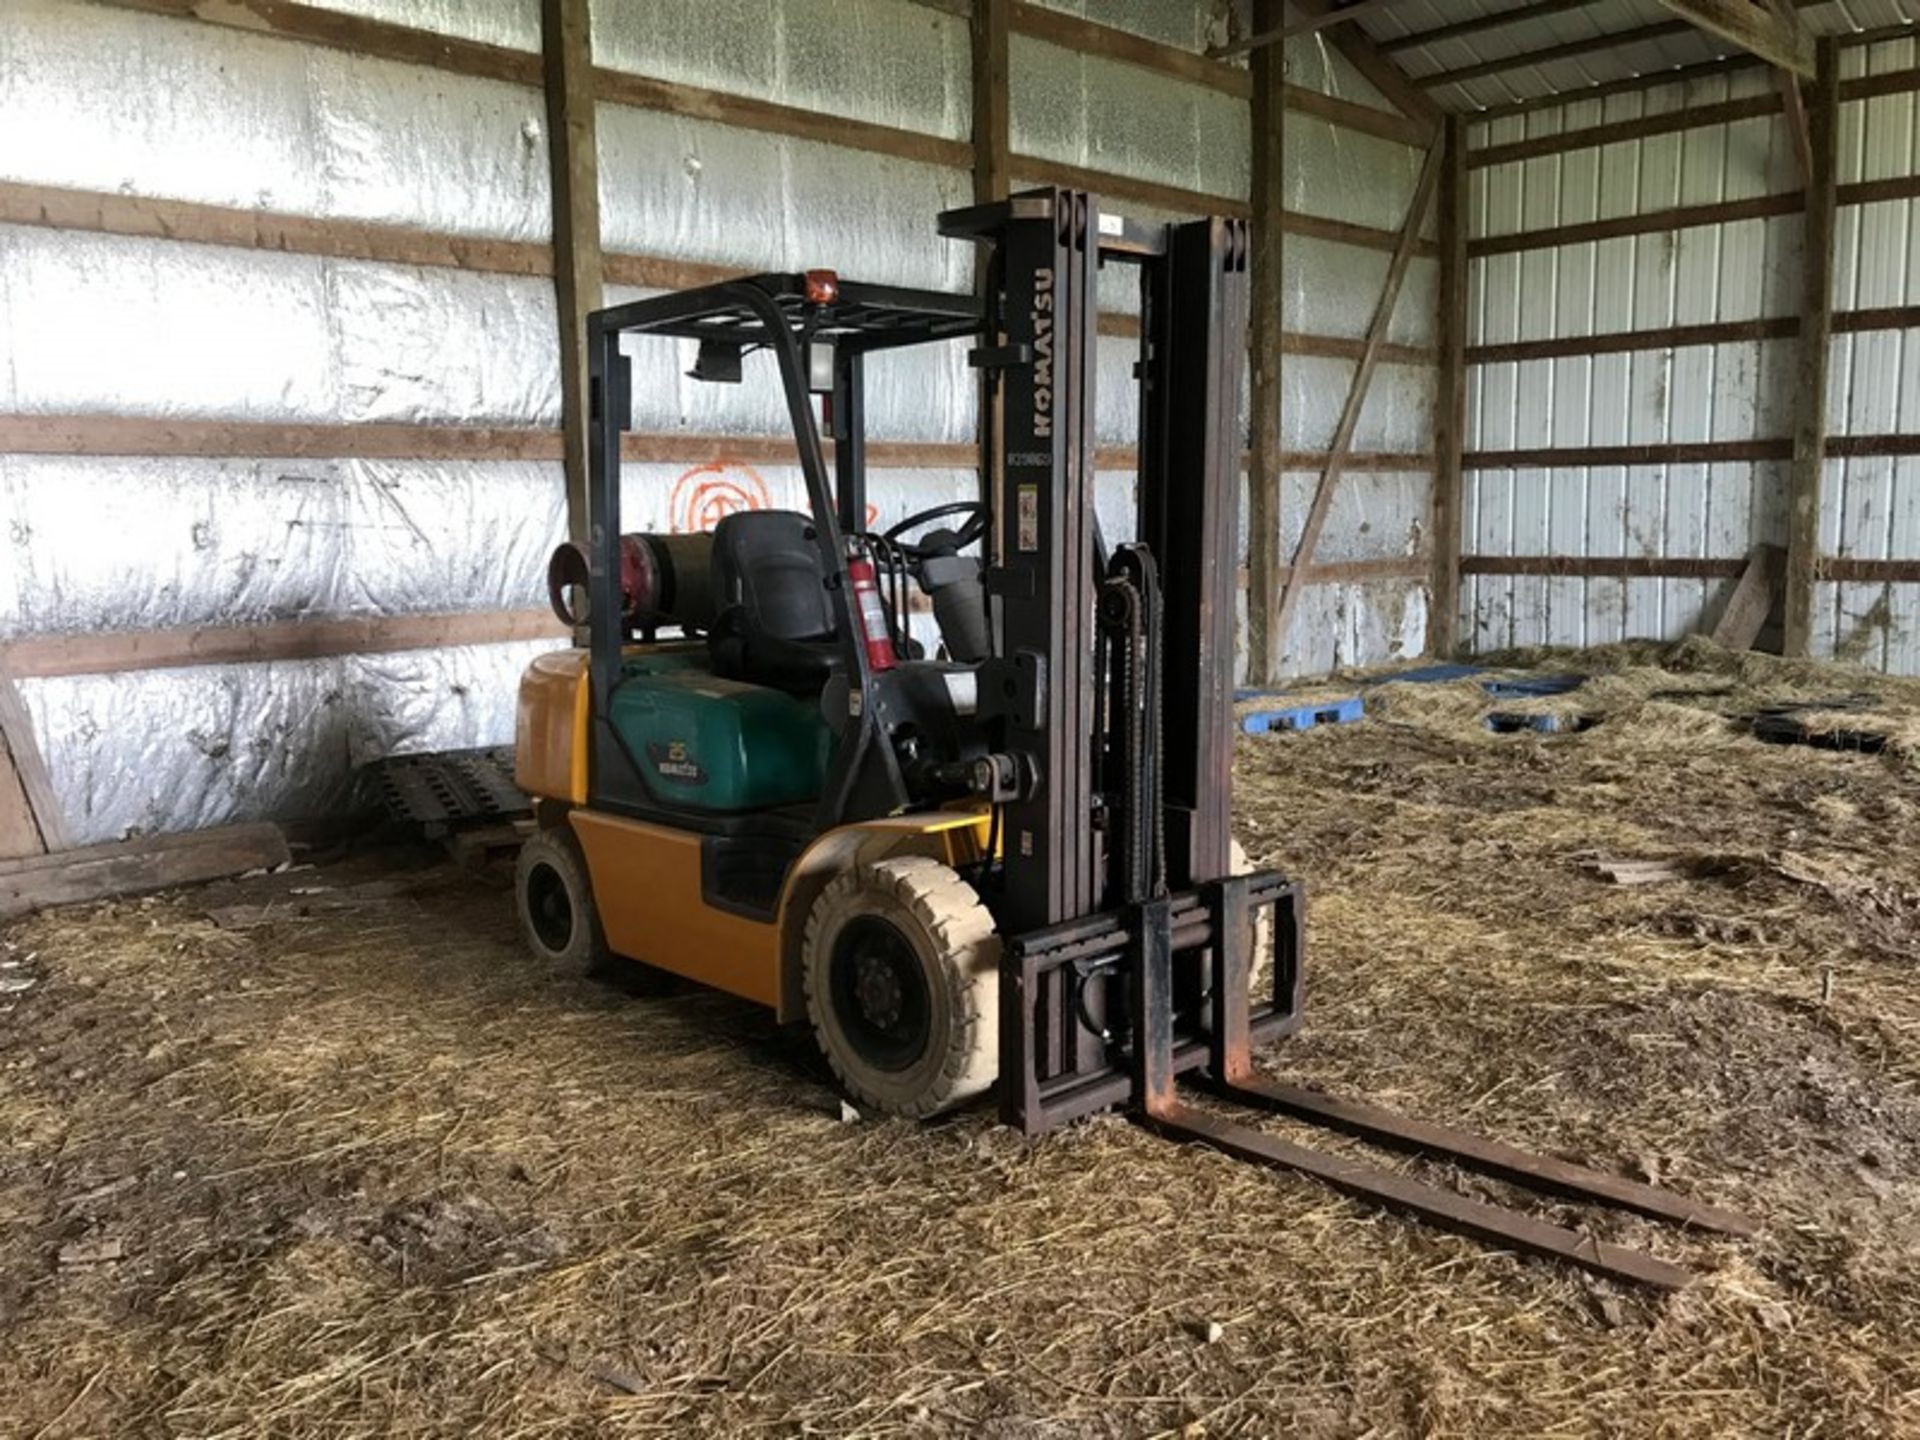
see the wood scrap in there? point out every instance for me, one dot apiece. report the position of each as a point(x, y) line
point(1636, 872)
point(93, 1252)
point(1751, 603)
point(132, 867)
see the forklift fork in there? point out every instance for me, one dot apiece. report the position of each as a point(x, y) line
point(1230, 1074)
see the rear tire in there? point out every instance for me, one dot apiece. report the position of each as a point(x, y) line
point(553, 894)
point(902, 973)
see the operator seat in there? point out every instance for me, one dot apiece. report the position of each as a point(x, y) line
point(774, 624)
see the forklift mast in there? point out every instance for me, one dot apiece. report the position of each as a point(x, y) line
point(1127, 799)
point(1048, 558)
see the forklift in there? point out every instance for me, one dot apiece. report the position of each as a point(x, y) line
point(992, 854)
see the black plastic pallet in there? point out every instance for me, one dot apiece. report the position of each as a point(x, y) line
point(448, 788)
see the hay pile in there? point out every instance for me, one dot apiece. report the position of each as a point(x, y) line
point(365, 1170)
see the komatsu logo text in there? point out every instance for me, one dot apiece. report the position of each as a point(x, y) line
point(1043, 353)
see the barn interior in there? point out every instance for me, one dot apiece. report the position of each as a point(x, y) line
point(1574, 675)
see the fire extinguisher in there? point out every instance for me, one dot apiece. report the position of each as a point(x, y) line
point(867, 605)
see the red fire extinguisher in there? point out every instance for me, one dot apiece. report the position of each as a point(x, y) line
point(867, 605)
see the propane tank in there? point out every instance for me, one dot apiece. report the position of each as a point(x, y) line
point(872, 614)
point(664, 580)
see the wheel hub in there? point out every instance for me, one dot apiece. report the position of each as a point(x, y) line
point(878, 988)
point(550, 908)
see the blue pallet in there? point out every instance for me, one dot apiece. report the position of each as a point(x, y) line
point(1305, 717)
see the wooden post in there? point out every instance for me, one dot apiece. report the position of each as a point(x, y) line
point(573, 158)
point(1450, 399)
point(1342, 446)
point(992, 177)
point(1816, 332)
point(1266, 325)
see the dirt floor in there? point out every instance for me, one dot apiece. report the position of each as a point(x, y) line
point(324, 1153)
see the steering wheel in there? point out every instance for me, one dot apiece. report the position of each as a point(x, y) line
point(978, 518)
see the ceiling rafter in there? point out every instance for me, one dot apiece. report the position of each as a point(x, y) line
point(1767, 30)
point(1760, 27)
point(1480, 24)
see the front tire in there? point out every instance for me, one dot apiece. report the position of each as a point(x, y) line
point(902, 973)
point(554, 897)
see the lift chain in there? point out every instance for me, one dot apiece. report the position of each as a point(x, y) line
point(1130, 627)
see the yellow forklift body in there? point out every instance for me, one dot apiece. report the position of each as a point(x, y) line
point(646, 878)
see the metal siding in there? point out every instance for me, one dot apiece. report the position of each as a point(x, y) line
point(1732, 272)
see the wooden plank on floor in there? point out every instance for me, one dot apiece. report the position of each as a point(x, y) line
point(134, 867)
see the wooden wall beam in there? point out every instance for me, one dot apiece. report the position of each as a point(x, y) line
point(356, 34)
point(1122, 187)
point(1266, 326)
point(1673, 337)
point(1351, 115)
point(1816, 333)
point(1312, 25)
point(1619, 342)
point(1654, 222)
point(1573, 457)
point(1450, 399)
point(272, 440)
point(103, 213)
point(1089, 37)
point(1850, 571)
point(1343, 434)
point(1695, 452)
point(1640, 127)
point(1651, 222)
point(1385, 76)
point(133, 435)
point(574, 163)
point(1605, 567)
point(748, 113)
point(109, 653)
point(1348, 232)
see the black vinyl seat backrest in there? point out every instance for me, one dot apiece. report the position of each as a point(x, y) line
point(775, 625)
point(768, 563)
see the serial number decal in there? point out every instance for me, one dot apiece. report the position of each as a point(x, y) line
point(1029, 517)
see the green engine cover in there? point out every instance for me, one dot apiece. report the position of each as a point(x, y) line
point(714, 744)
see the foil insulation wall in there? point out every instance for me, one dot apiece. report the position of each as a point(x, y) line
point(165, 108)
